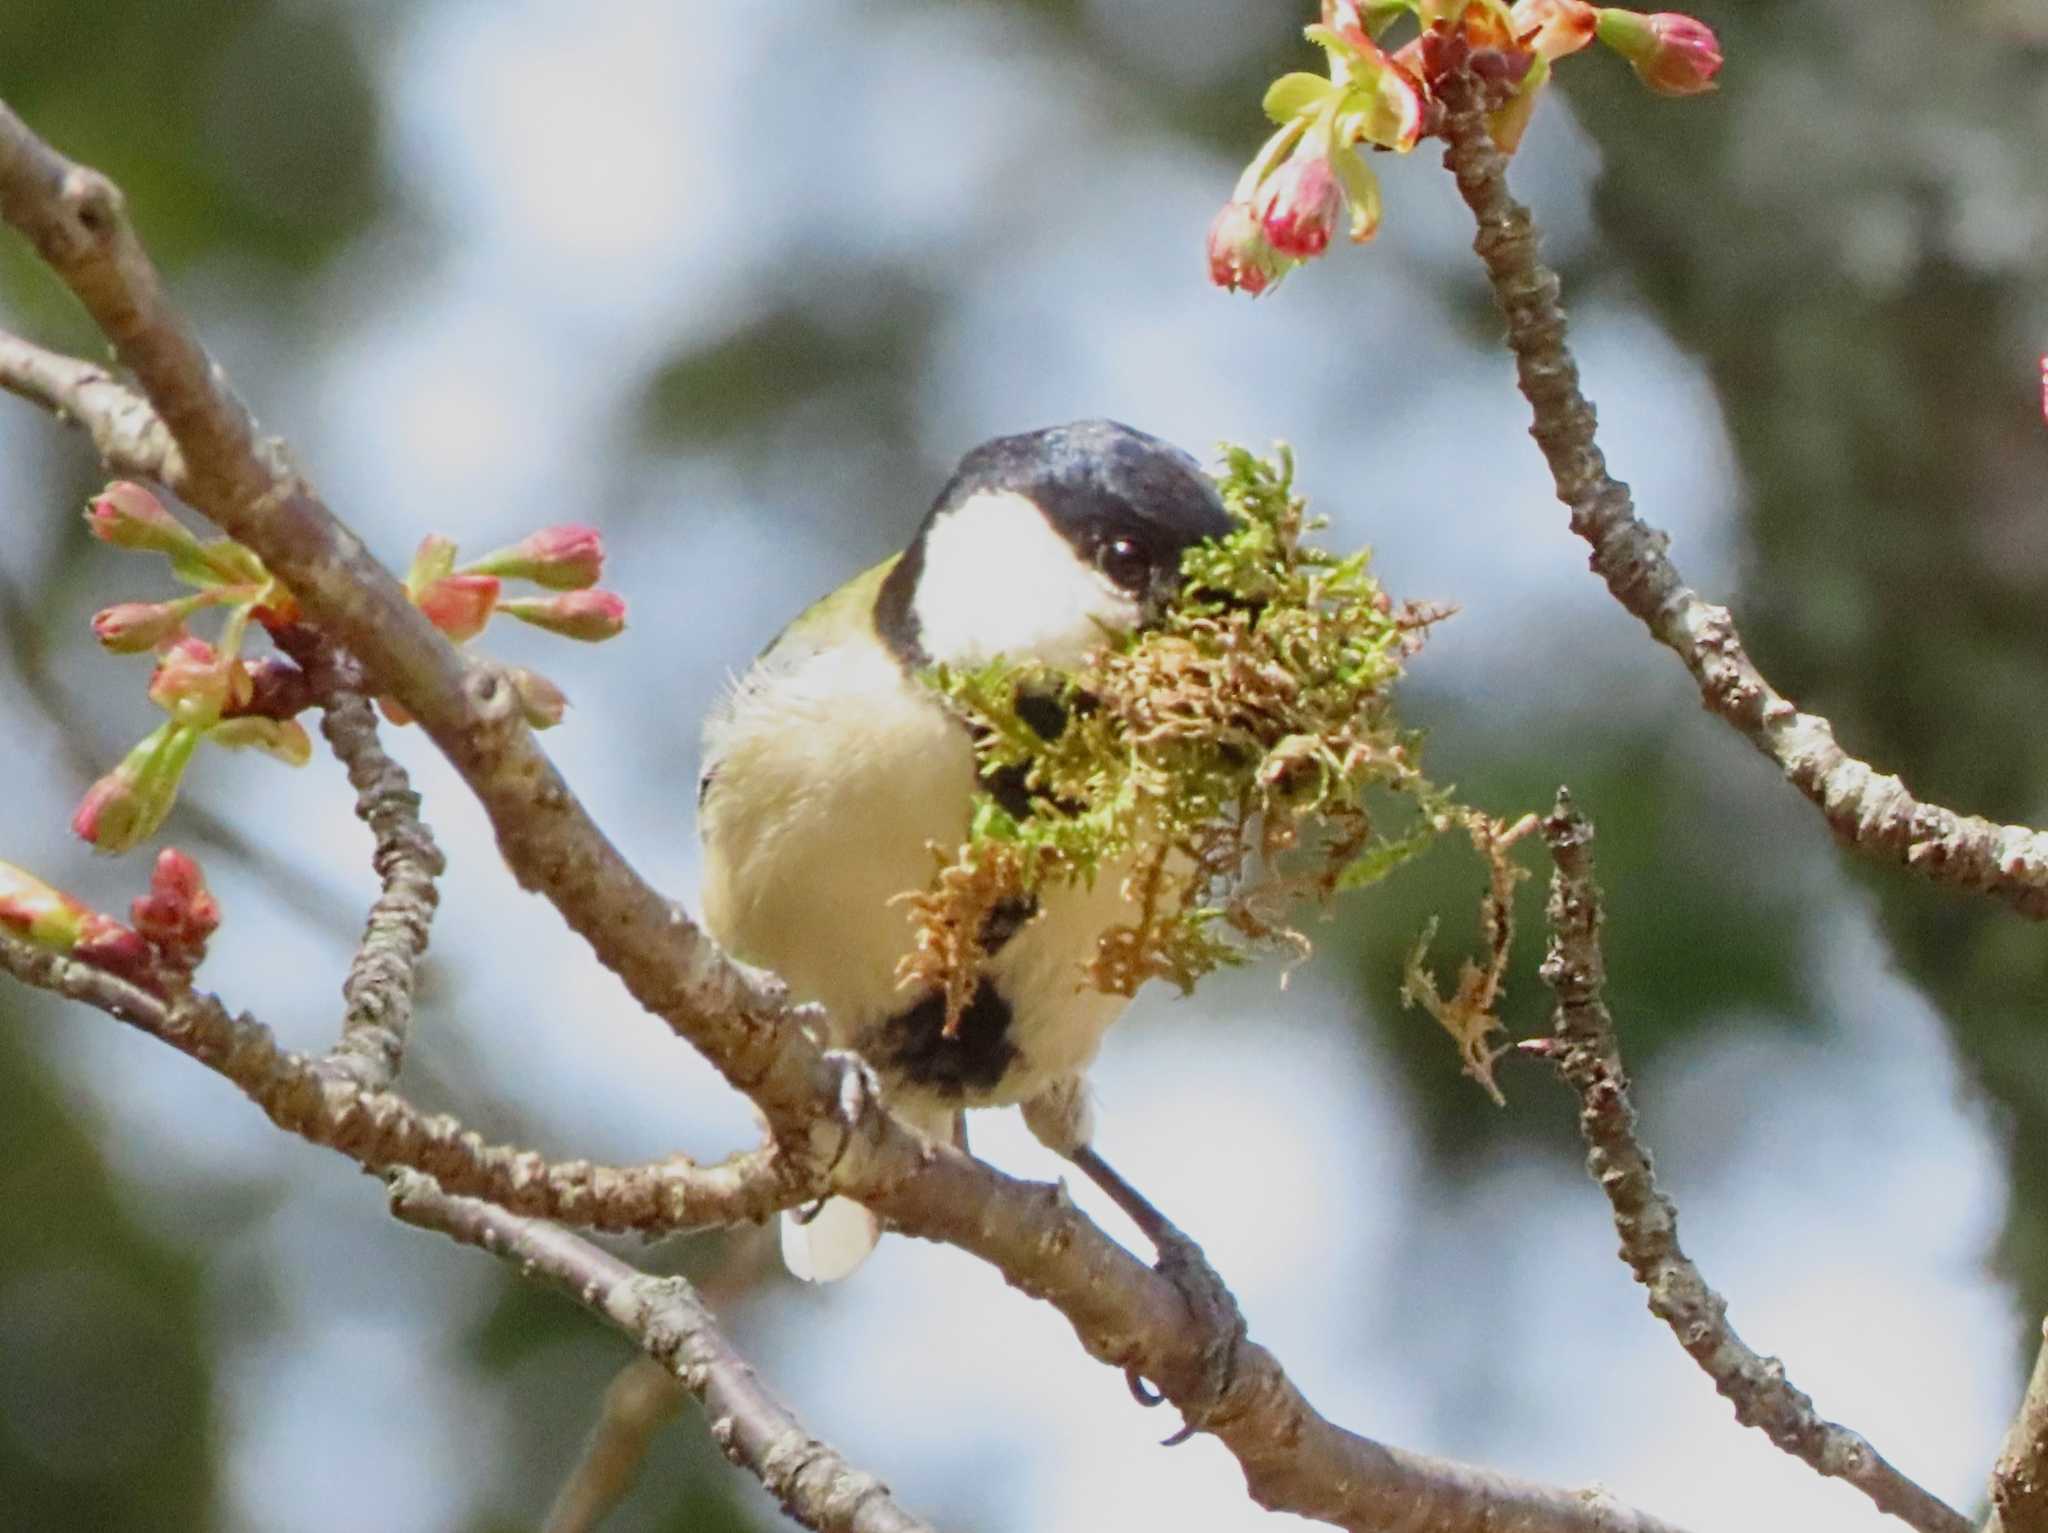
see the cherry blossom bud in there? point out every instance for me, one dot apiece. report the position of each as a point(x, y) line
point(459, 605)
point(1673, 54)
point(55, 920)
point(540, 700)
point(194, 683)
point(565, 558)
point(128, 516)
point(179, 913)
point(131, 627)
point(1300, 205)
point(1240, 256)
point(130, 802)
point(589, 615)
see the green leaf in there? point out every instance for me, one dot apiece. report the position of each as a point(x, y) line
point(1296, 95)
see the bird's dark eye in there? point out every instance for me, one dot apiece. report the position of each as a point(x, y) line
point(1124, 561)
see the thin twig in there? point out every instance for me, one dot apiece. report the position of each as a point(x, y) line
point(639, 1402)
point(1124, 1313)
point(385, 970)
point(1583, 1047)
point(1869, 810)
point(2019, 1479)
point(665, 1317)
point(380, 1130)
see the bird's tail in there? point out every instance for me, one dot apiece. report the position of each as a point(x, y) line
point(827, 1241)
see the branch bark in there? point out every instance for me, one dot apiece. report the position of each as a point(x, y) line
point(1584, 1049)
point(382, 1131)
point(1865, 808)
point(665, 1317)
point(1123, 1312)
point(2019, 1479)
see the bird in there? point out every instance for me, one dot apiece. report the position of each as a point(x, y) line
point(833, 769)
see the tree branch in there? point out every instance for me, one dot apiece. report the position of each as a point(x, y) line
point(381, 1131)
point(1583, 1047)
point(1868, 810)
point(664, 1315)
point(1123, 1312)
point(2019, 1479)
point(384, 972)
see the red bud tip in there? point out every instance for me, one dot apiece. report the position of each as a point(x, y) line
point(586, 615)
point(1300, 206)
point(565, 558)
point(193, 683)
point(104, 813)
point(1673, 54)
point(131, 627)
point(1241, 258)
point(128, 516)
point(459, 605)
point(179, 913)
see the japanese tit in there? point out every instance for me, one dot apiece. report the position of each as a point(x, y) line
point(832, 770)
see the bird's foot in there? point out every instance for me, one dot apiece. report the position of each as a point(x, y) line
point(856, 1101)
point(1212, 1308)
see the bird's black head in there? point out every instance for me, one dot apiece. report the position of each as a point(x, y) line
point(1041, 541)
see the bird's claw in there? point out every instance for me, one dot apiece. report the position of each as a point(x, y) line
point(1216, 1317)
point(856, 1100)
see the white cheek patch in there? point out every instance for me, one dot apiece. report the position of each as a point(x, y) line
point(998, 579)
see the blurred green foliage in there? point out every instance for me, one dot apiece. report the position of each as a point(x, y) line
point(106, 1366)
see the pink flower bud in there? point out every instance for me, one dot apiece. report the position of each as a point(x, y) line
point(194, 684)
point(540, 700)
point(179, 913)
point(588, 615)
point(130, 802)
point(1673, 54)
point(55, 920)
point(459, 605)
point(565, 558)
point(131, 627)
point(128, 516)
point(1300, 205)
point(1241, 258)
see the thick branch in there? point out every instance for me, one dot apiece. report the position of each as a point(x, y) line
point(1123, 1312)
point(1583, 1047)
point(665, 1317)
point(1867, 809)
point(381, 1131)
point(2019, 1479)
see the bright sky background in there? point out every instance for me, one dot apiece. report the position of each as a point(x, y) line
point(609, 177)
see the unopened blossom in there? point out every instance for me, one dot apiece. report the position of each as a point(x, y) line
point(128, 516)
point(1241, 258)
point(133, 627)
point(179, 913)
point(565, 558)
point(1299, 206)
point(587, 615)
point(130, 802)
point(194, 683)
point(61, 923)
point(1673, 54)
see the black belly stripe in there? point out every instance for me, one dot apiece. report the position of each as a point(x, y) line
point(914, 1045)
